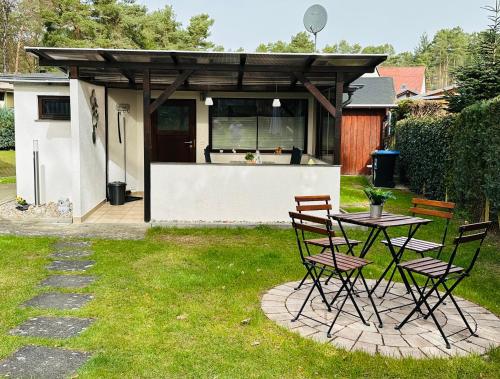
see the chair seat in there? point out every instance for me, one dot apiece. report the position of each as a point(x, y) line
point(433, 268)
point(420, 246)
point(344, 262)
point(325, 242)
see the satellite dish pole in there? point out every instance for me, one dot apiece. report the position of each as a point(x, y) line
point(315, 20)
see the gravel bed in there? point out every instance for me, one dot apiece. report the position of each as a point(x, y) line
point(43, 212)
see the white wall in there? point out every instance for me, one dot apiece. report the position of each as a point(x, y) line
point(236, 193)
point(89, 160)
point(54, 139)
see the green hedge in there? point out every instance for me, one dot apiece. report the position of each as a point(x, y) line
point(7, 139)
point(425, 154)
point(475, 145)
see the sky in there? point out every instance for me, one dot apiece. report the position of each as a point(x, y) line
point(247, 23)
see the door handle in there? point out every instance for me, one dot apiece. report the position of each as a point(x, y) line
point(189, 142)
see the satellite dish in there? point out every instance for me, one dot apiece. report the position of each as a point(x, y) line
point(315, 19)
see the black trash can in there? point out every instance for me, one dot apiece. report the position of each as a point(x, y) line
point(384, 163)
point(116, 193)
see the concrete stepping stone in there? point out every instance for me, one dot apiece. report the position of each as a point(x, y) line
point(58, 300)
point(68, 281)
point(52, 327)
point(72, 244)
point(70, 265)
point(43, 362)
point(71, 254)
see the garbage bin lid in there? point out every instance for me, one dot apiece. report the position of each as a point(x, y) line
point(385, 152)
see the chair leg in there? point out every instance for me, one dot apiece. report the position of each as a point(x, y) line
point(380, 324)
point(316, 284)
point(389, 282)
point(424, 298)
point(349, 293)
point(303, 280)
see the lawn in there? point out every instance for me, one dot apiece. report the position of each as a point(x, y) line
point(7, 166)
point(172, 305)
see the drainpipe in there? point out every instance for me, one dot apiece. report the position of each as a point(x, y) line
point(36, 172)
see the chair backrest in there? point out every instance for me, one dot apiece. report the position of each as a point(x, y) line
point(296, 156)
point(435, 208)
point(302, 222)
point(470, 233)
point(208, 158)
point(313, 203)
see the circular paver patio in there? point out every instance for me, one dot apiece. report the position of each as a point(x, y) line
point(419, 338)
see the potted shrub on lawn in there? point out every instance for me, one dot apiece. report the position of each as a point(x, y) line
point(377, 197)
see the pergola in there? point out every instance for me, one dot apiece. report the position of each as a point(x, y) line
point(171, 71)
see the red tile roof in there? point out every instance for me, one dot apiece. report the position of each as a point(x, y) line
point(405, 78)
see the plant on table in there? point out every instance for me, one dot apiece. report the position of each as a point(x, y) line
point(377, 197)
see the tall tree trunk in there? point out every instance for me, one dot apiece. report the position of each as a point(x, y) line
point(18, 49)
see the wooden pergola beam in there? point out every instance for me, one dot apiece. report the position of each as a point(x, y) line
point(313, 90)
point(339, 93)
point(307, 66)
point(110, 59)
point(169, 91)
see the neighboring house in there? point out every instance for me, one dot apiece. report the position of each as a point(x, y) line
point(408, 81)
point(154, 118)
point(6, 95)
point(363, 122)
point(438, 94)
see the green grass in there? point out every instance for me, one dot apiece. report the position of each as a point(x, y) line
point(215, 278)
point(7, 164)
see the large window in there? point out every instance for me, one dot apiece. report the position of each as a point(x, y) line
point(254, 124)
point(53, 108)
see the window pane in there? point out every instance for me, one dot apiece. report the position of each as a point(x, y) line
point(238, 133)
point(284, 126)
point(55, 108)
point(173, 118)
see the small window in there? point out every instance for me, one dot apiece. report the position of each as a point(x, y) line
point(53, 108)
point(2, 96)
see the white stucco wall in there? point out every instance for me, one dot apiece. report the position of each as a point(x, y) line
point(54, 139)
point(236, 193)
point(88, 159)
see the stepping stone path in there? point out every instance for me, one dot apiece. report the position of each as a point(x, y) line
point(68, 281)
point(42, 362)
point(46, 362)
point(70, 265)
point(52, 327)
point(417, 339)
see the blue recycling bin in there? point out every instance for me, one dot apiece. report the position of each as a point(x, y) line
point(384, 164)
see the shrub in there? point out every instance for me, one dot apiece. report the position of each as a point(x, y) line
point(425, 154)
point(7, 138)
point(475, 169)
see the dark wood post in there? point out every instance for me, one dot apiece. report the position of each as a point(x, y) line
point(339, 92)
point(146, 91)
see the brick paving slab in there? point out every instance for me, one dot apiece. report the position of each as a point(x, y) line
point(418, 339)
point(42, 363)
point(57, 300)
point(52, 327)
point(71, 254)
point(68, 281)
point(70, 266)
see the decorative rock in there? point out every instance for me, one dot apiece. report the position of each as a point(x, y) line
point(42, 362)
point(59, 300)
point(52, 327)
point(70, 265)
point(417, 339)
point(68, 281)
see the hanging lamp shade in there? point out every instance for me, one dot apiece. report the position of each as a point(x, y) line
point(209, 101)
point(276, 103)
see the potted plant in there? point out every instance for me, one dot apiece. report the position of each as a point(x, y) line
point(22, 204)
point(250, 158)
point(377, 197)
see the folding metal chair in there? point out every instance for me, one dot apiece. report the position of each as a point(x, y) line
point(442, 272)
point(321, 203)
point(341, 265)
point(439, 209)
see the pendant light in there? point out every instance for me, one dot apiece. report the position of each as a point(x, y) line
point(208, 99)
point(276, 101)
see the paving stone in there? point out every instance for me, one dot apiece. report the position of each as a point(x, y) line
point(59, 300)
point(418, 339)
point(71, 244)
point(70, 266)
point(52, 327)
point(71, 254)
point(42, 363)
point(68, 281)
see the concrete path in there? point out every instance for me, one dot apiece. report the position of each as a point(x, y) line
point(7, 192)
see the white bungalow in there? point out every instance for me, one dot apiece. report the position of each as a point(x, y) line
point(185, 155)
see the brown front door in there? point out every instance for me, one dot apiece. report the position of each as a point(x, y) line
point(174, 132)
